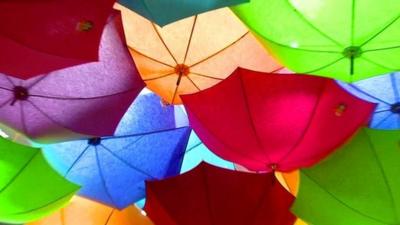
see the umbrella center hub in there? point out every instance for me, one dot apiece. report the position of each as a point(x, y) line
point(352, 52)
point(182, 70)
point(20, 93)
point(395, 108)
point(94, 141)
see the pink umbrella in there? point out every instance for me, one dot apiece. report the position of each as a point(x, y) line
point(88, 99)
point(41, 36)
point(275, 122)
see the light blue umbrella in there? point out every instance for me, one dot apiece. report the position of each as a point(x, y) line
point(148, 145)
point(383, 90)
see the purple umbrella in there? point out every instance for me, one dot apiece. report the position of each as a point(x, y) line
point(89, 99)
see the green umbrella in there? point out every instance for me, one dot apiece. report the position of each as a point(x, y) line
point(345, 39)
point(163, 12)
point(29, 188)
point(358, 185)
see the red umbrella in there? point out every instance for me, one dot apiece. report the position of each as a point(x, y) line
point(208, 195)
point(41, 36)
point(88, 99)
point(273, 121)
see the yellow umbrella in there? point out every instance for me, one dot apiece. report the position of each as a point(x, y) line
point(192, 54)
point(86, 212)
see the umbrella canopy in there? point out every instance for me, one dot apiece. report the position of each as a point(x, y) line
point(42, 36)
point(148, 144)
point(29, 188)
point(88, 99)
point(359, 184)
point(383, 90)
point(275, 122)
point(86, 212)
point(346, 40)
point(192, 54)
point(209, 195)
point(196, 152)
point(163, 12)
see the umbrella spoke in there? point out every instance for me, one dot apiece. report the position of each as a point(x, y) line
point(76, 160)
point(163, 42)
point(194, 84)
point(148, 57)
point(103, 181)
point(142, 134)
point(79, 98)
point(381, 49)
point(369, 95)
point(353, 16)
point(381, 31)
point(190, 39)
point(394, 87)
point(206, 76)
point(324, 66)
point(378, 64)
point(23, 119)
point(383, 120)
point(158, 77)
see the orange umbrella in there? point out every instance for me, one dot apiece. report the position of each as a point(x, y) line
point(192, 54)
point(86, 212)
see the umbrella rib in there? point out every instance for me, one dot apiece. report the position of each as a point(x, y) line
point(324, 66)
point(38, 80)
point(380, 49)
point(206, 76)
point(6, 102)
point(381, 31)
point(385, 110)
point(190, 39)
point(161, 76)
point(194, 84)
point(221, 50)
point(303, 18)
point(133, 142)
point(128, 164)
point(250, 118)
point(378, 64)
point(163, 42)
point(9, 80)
point(383, 120)
point(394, 87)
point(277, 69)
point(153, 59)
point(19, 172)
point(103, 181)
point(6, 89)
point(384, 176)
point(309, 122)
point(43, 206)
point(79, 98)
point(143, 134)
point(353, 16)
point(183, 154)
point(369, 95)
point(76, 160)
point(23, 119)
point(343, 203)
point(109, 216)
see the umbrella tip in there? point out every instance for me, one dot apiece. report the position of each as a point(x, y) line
point(395, 108)
point(94, 141)
point(20, 93)
point(273, 166)
point(84, 25)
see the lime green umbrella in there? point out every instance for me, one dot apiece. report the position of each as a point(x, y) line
point(29, 188)
point(344, 39)
point(358, 185)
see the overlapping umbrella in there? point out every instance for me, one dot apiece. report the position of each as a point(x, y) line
point(41, 36)
point(209, 195)
point(29, 187)
point(346, 40)
point(275, 122)
point(148, 145)
point(192, 54)
point(89, 99)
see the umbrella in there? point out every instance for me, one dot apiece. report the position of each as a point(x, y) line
point(383, 90)
point(29, 188)
point(88, 99)
point(85, 212)
point(346, 40)
point(209, 195)
point(196, 152)
point(41, 36)
point(359, 184)
point(275, 122)
point(164, 12)
point(192, 54)
point(147, 145)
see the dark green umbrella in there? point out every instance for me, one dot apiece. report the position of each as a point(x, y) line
point(358, 185)
point(29, 188)
point(163, 12)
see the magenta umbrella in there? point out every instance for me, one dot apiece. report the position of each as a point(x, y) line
point(41, 36)
point(89, 99)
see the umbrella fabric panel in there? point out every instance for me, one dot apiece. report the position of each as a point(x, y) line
point(164, 12)
point(383, 90)
point(50, 35)
point(29, 187)
point(346, 40)
point(357, 185)
point(80, 99)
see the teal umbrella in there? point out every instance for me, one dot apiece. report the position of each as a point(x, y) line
point(163, 12)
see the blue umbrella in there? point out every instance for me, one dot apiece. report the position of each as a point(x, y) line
point(383, 90)
point(196, 152)
point(148, 145)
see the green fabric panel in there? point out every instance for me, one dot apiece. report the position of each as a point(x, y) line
point(29, 188)
point(164, 12)
point(358, 184)
point(311, 36)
